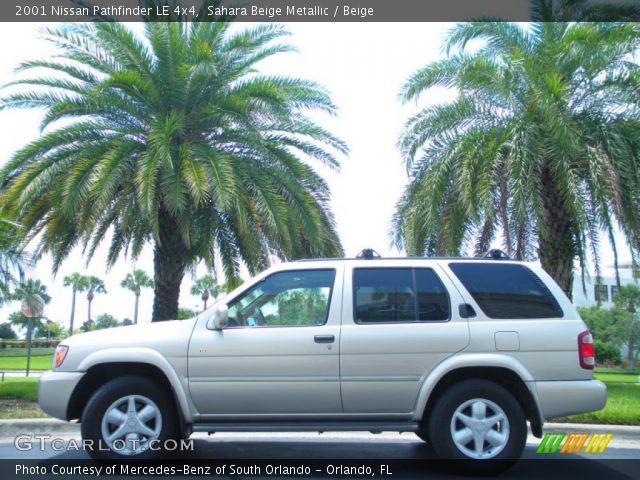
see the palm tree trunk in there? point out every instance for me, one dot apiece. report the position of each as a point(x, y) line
point(205, 297)
point(169, 262)
point(89, 311)
point(135, 312)
point(556, 246)
point(504, 211)
point(73, 311)
point(29, 339)
point(484, 240)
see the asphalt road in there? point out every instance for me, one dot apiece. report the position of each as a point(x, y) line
point(621, 460)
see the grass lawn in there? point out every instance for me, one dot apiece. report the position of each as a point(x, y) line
point(25, 388)
point(613, 377)
point(38, 362)
point(631, 370)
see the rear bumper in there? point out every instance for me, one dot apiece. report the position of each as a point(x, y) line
point(557, 399)
point(55, 390)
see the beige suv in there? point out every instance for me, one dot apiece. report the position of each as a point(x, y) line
point(462, 352)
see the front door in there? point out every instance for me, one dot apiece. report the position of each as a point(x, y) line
point(279, 354)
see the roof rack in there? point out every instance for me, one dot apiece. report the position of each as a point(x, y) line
point(494, 254)
point(371, 254)
point(368, 254)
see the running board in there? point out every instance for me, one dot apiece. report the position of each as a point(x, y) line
point(306, 427)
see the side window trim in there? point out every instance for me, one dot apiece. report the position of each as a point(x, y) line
point(416, 303)
point(447, 294)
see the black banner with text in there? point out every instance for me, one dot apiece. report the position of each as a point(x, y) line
point(316, 11)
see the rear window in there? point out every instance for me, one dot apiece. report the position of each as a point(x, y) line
point(383, 295)
point(507, 290)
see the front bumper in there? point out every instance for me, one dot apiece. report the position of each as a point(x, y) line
point(55, 390)
point(558, 399)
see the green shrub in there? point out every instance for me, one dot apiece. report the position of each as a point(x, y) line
point(6, 332)
point(35, 343)
point(606, 352)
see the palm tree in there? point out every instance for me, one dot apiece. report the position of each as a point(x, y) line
point(205, 286)
point(34, 296)
point(20, 320)
point(32, 293)
point(12, 258)
point(540, 146)
point(135, 282)
point(176, 140)
point(231, 284)
point(78, 283)
point(94, 285)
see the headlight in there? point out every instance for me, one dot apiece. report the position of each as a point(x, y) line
point(59, 355)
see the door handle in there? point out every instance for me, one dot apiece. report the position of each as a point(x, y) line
point(324, 338)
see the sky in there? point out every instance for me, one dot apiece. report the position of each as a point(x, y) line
point(363, 65)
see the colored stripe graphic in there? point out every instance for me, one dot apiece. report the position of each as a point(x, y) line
point(574, 442)
point(550, 443)
point(598, 443)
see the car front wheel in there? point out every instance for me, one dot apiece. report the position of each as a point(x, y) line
point(128, 417)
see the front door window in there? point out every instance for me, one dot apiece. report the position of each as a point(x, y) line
point(293, 298)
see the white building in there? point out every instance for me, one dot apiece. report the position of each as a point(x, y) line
point(602, 290)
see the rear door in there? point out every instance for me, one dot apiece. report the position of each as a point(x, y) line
point(400, 320)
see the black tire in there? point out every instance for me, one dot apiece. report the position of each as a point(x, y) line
point(470, 398)
point(130, 396)
point(423, 434)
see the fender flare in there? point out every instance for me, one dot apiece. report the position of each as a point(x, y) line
point(472, 360)
point(144, 356)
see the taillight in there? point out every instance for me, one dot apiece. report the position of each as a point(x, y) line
point(58, 356)
point(586, 351)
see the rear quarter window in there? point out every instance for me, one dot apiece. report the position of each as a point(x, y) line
point(507, 290)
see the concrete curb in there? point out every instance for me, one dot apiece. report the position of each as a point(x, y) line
point(11, 428)
point(620, 432)
point(576, 427)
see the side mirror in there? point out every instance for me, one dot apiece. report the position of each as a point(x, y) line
point(219, 319)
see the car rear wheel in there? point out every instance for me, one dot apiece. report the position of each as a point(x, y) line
point(480, 421)
point(128, 417)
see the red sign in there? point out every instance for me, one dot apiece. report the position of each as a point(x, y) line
point(33, 310)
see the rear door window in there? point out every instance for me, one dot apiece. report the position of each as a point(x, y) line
point(383, 295)
point(507, 290)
